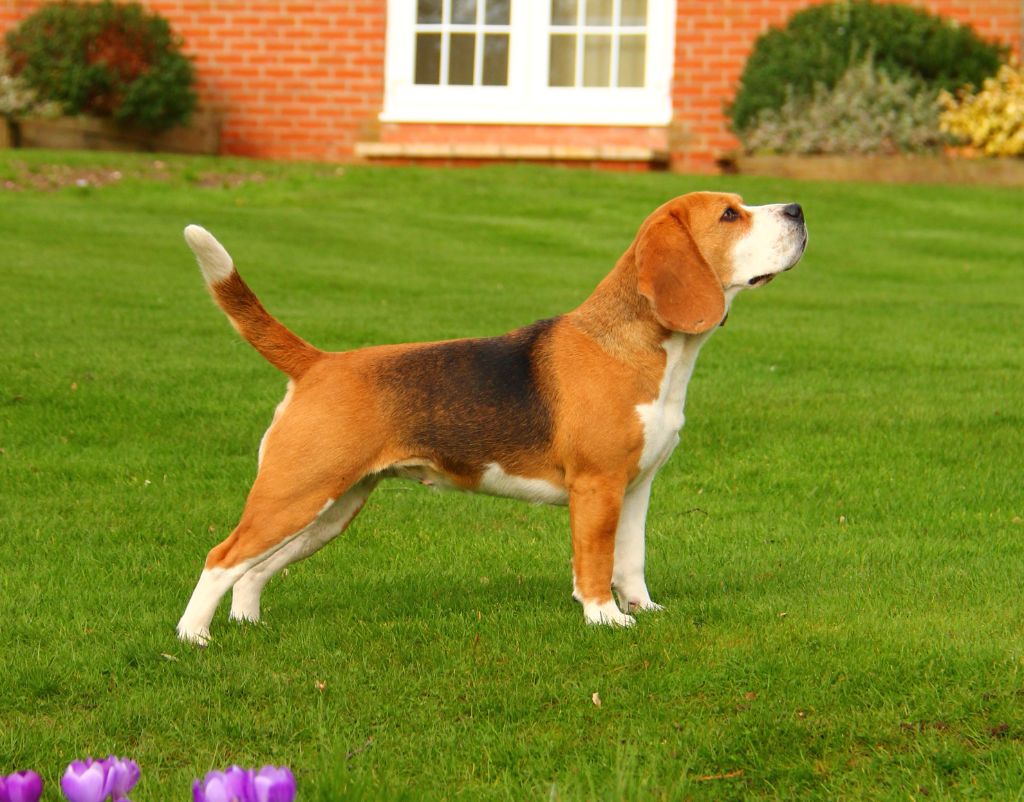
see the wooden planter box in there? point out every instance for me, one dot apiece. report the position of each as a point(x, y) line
point(200, 136)
point(892, 169)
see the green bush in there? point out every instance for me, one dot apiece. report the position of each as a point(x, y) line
point(866, 112)
point(819, 44)
point(105, 59)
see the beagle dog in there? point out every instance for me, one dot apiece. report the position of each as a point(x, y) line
point(579, 410)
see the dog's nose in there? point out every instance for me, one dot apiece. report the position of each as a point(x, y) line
point(795, 212)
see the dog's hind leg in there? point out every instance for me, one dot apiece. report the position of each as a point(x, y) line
point(245, 596)
point(318, 463)
point(258, 537)
point(284, 506)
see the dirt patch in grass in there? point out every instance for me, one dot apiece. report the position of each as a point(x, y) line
point(20, 176)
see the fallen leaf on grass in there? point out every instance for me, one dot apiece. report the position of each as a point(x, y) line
point(596, 699)
point(730, 775)
point(170, 657)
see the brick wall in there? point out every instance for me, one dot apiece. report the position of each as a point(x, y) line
point(305, 80)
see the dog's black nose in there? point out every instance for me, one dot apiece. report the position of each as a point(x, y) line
point(794, 211)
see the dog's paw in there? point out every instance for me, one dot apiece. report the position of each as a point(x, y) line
point(197, 637)
point(606, 613)
point(642, 606)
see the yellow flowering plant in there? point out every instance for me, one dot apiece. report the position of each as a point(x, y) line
point(992, 119)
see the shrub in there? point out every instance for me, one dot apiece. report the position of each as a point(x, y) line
point(820, 43)
point(991, 120)
point(105, 59)
point(867, 111)
point(16, 96)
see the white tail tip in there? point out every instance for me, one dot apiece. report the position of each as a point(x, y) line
point(214, 261)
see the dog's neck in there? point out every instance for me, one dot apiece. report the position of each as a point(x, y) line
point(620, 319)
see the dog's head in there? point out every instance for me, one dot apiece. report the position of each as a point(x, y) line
point(694, 250)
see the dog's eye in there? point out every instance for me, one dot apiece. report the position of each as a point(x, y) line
point(729, 215)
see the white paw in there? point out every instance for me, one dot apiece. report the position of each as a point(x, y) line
point(244, 616)
point(197, 637)
point(644, 606)
point(606, 613)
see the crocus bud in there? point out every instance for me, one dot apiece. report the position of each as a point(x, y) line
point(233, 785)
point(122, 774)
point(85, 781)
point(22, 786)
point(272, 784)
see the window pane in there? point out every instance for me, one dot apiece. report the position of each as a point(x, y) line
point(464, 12)
point(428, 58)
point(563, 12)
point(632, 54)
point(634, 12)
point(599, 12)
point(428, 11)
point(597, 60)
point(496, 59)
point(460, 59)
point(562, 65)
point(497, 12)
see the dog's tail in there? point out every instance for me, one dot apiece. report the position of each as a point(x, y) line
point(283, 349)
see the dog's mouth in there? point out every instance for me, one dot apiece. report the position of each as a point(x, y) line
point(760, 281)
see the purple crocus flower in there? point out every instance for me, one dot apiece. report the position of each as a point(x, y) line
point(85, 781)
point(122, 774)
point(233, 785)
point(272, 784)
point(269, 784)
point(22, 786)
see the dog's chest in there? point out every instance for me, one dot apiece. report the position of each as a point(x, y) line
point(663, 417)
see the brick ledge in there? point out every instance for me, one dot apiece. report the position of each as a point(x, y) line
point(402, 150)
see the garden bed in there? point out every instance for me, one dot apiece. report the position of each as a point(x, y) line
point(889, 169)
point(201, 136)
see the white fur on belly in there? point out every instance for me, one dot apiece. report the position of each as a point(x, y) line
point(496, 482)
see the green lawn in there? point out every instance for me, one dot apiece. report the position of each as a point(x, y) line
point(837, 541)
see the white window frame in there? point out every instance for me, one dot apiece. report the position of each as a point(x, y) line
point(528, 99)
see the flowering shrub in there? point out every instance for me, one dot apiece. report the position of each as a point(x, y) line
point(21, 786)
point(991, 120)
point(106, 59)
point(269, 784)
point(96, 780)
point(866, 112)
point(819, 43)
point(18, 98)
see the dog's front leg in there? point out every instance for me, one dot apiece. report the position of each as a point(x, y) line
point(628, 574)
point(594, 506)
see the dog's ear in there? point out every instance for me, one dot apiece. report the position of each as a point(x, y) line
point(683, 290)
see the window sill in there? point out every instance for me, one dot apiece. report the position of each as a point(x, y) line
point(484, 152)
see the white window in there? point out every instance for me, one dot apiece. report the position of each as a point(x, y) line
point(597, 62)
